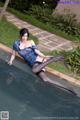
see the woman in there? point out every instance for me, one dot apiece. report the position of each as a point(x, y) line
point(36, 60)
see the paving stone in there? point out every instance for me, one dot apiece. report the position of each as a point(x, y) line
point(47, 40)
point(36, 32)
point(33, 31)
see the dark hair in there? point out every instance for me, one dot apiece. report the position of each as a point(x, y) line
point(23, 31)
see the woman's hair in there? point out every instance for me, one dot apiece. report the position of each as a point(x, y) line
point(23, 31)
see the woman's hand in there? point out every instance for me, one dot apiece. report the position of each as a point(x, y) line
point(12, 58)
point(46, 58)
point(10, 62)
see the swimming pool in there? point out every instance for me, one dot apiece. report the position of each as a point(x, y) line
point(26, 97)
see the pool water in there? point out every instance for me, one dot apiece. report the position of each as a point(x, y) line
point(26, 97)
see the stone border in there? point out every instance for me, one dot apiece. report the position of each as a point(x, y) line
point(49, 70)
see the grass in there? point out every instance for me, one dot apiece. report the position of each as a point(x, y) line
point(34, 21)
point(48, 27)
point(9, 33)
point(59, 66)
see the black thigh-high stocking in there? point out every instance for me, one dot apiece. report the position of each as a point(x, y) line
point(39, 67)
point(45, 78)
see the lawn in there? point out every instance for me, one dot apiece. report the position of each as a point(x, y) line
point(9, 33)
point(29, 18)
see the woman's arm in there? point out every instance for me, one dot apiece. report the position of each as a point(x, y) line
point(45, 58)
point(12, 57)
point(37, 51)
point(40, 53)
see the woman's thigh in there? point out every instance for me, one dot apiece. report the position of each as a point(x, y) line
point(35, 66)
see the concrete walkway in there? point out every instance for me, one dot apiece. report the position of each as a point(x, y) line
point(47, 41)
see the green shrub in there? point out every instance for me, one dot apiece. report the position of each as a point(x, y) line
point(20, 5)
point(40, 13)
point(73, 60)
point(51, 27)
point(67, 23)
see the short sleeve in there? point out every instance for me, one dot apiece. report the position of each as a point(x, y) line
point(34, 47)
point(16, 46)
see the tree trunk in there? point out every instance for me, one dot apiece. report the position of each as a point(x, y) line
point(4, 9)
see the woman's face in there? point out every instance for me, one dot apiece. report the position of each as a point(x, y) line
point(24, 37)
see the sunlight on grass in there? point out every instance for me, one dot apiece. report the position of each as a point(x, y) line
point(9, 33)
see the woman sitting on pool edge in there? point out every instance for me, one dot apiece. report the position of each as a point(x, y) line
point(29, 52)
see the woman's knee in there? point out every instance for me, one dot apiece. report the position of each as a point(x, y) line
point(34, 70)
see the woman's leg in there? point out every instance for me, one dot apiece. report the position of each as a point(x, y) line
point(45, 78)
point(39, 67)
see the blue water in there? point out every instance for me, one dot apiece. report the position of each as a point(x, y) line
point(26, 97)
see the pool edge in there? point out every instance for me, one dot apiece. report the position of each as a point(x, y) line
point(49, 70)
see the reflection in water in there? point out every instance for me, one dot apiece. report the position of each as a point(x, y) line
point(26, 97)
